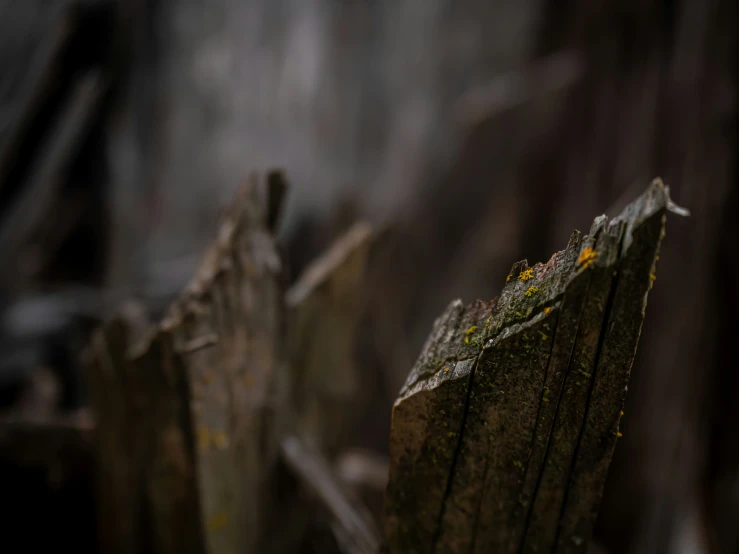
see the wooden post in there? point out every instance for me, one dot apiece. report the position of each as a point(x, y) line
point(188, 420)
point(502, 435)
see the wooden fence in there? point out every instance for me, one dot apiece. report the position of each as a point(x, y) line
point(215, 427)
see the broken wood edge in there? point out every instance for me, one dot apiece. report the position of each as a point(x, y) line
point(252, 192)
point(324, 306)
point(323, 267)
point(152, 388)
point(424, 378)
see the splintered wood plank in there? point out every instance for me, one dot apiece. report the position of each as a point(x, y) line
point(324, 311)
point(188, 419)
point(535, 410)
point(643, 224)
point(228, 328)
point(427, 422)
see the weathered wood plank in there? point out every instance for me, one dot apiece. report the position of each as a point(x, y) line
point(324, 313)
point(643, 225)
point(534, 412)
point(188, 419)
point(427, 420)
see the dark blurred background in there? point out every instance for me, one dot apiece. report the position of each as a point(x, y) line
point(471, 134)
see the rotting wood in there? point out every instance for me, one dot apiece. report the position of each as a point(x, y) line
point(188, 419)
point(502, 436)
point(324, 312)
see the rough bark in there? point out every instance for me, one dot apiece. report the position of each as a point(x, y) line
point(502, 436)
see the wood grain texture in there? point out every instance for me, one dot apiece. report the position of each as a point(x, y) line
point(188, 419)
point(502, 436)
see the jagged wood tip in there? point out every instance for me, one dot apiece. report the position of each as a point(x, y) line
point(502, 435)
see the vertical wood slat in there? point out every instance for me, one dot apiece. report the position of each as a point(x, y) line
point(504, 445)
point(187, 420)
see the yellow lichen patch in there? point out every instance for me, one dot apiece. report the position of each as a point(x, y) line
point(471, 330)
point(619, 434)
point(622, 413)
point(203, 437)
point(508, 278)
point(446, 369)
point(467, 340)
point(220, 440)
point(547, 310)
point(531, 291)
point(586, 257)
point(526, 275)
point(217, 521)
point(487, 323)
point(652, 279)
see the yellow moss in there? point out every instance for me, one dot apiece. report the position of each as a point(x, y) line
point(547, 310)
point(531, 291)
point(217, 521)
point(526, 275)
point(471, 330)
point(203, 437)
point(220, 440)
point(586, 257)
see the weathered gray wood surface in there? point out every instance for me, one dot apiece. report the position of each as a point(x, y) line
point(502, 435)
point(194, 414)
point(188, 420)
